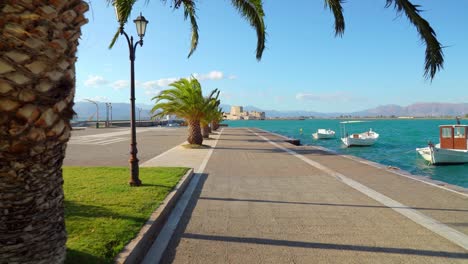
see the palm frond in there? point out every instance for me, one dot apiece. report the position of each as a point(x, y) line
point(189, 11)
point(252, 11)
point(124, 9)
point(114, 39)
point(337, 10)
point(434, 61)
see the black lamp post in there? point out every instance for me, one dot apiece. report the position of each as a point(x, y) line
point(141, 23)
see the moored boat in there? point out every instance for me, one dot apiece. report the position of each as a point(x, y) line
point(324, 134)
point(452, 149)
point(362, 139)
point(358, 139)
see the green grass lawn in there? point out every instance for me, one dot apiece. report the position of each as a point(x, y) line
point(103, 213)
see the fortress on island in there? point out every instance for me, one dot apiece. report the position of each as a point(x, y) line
point(237, 113)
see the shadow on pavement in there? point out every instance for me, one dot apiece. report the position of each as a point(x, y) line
point(170, 252)
point(300, 244)
point(328, 204)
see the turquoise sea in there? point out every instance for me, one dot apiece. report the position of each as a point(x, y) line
point(396, 145)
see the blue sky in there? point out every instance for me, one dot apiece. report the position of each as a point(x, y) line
point(379, 60)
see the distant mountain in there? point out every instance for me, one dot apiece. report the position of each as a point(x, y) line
point(120, 111)
point(417, 110)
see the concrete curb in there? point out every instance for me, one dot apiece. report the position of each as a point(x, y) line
point(135, 250)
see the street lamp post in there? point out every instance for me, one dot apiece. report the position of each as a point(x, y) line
point(107, 114)
point(97, 111)
point(139, 115)
point(110, 106)
point(141, 23)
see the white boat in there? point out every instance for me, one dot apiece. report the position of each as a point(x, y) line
point(358, 139)
point(324, 134)
point(452, 148)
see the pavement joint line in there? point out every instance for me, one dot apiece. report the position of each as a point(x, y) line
point(111, 134)
point(164, 153)
point(376, 166)
point(156, 252)
point(431, 224)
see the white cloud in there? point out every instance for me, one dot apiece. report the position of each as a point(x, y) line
point(212, 75)
point(95, 80)
point(164, 82)
point(98, 99)
point(158, 83)
point(120, 84)
point(226, 95)
point(329, 97)
point(232, 77)
point(152, 93)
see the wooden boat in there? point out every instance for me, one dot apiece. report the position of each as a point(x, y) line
point(324, 134)
point(358, 139)
point(452, 148)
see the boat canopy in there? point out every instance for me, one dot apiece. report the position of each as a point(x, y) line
point(453, 126)
point(350, 122)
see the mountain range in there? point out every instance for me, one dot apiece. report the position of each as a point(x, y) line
point(121, 111)
point(414, 110)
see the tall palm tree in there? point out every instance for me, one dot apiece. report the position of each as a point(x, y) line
point(210, 112)
point(38, 44)
point(218, 117)
point(185, 100)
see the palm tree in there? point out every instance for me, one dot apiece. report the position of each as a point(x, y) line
point(38, 44)
point(38, 47)
point(210, 112)
point(185, 100)
point(218, 117)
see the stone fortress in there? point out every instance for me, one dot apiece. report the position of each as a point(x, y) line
point(237, 113)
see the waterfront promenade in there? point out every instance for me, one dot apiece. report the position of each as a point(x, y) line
point(256, 199)
point(260, 200)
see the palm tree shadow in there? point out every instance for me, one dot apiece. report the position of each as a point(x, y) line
point(169, 254)
point(79, 257)
point(74, 209)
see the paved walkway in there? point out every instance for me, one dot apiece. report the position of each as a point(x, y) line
point(110, 146)
point(260, 200)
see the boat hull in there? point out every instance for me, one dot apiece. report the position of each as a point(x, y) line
point(362, 139)
point(436, 155)
point(323, 136)
point(349, 142)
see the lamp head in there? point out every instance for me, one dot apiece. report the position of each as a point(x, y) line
point(141, 23)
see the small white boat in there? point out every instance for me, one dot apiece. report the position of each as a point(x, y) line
point(324, 134)
point(362, 139)
point(452, 149)
point(358, 139)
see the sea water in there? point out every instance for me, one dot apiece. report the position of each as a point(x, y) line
point(396, 145)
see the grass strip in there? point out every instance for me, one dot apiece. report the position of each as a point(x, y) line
point(103, 213)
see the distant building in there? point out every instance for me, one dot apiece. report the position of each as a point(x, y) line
point(237, 113)
point(236, 110)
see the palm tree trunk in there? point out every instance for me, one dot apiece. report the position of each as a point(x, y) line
point(209, 129)
point(213, 127)
point(205, 131)
point(194, 132)
point(39, 40)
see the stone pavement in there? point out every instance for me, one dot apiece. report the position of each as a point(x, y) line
point(110, 146)
point(179, 156)
point(260, 200)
